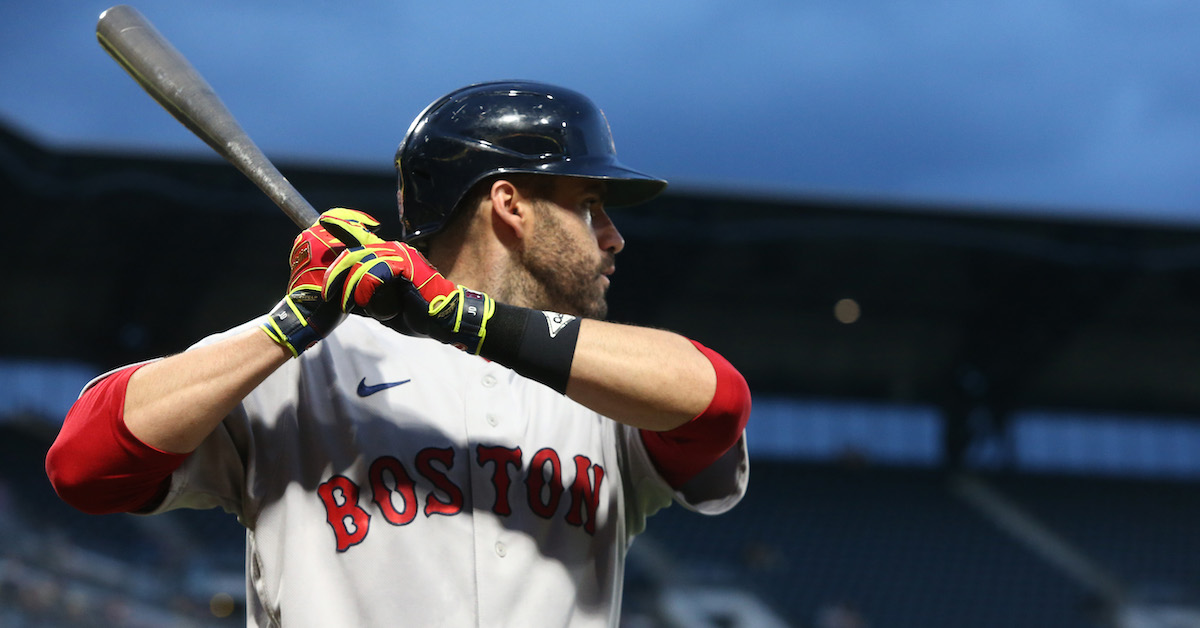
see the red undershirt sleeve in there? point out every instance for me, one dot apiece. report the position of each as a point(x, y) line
point(97, 465)
point(681, 453)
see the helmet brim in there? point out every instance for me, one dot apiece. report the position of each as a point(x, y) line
point(625, 186)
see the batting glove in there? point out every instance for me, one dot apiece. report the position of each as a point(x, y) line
point(392, 282)
point(304, 317)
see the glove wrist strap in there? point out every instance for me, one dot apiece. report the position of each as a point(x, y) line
point(462, 318)
point(536, 344)
point(287, 326)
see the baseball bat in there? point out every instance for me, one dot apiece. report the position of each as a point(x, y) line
point(167, 76)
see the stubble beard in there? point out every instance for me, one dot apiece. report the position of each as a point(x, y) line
point(556, 275)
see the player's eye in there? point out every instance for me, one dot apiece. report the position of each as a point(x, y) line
point(590, 207)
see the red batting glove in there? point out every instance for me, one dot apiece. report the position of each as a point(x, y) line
point(381, 279)
point(303, 317)
point(359, 274)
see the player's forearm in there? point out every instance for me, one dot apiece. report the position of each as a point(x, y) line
point(175, 403)
point(647, 378)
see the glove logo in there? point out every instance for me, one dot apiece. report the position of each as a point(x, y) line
point(301, 255)
point(555, 322)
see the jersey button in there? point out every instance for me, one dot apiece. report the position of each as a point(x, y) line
point(489, 381)
point(492, 420)
point(501, 550)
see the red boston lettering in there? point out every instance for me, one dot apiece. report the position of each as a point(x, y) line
point(537, 482)
point(453, 503)
point(348, 520)
point(383, 496)
point(503, 457)
point(585, 494)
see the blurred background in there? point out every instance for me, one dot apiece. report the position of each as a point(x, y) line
point(954, 249)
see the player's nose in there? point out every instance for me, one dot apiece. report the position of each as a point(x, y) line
point(607, 236)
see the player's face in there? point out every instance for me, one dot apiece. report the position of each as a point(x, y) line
point(572, 249)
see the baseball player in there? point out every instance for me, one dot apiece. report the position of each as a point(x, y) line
point(439, 431)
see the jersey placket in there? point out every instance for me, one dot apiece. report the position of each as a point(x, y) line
point(494, 461)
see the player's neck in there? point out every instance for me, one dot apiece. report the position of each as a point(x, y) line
point(479, 265)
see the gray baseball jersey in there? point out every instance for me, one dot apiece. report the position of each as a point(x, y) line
point(394, 481)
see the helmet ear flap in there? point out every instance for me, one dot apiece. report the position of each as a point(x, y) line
point(505, 127)
point(413, 183)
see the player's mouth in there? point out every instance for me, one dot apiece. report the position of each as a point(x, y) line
point(605, 274)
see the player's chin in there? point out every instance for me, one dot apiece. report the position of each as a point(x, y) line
point(589, 302)
point(600, 302)
point(593, 306)
point(598, 311)
point(599, 308)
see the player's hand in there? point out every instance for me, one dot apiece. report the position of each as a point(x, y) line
point(303, 317)
point(392, 282)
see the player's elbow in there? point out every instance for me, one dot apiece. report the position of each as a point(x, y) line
point(736, 409)
point(76, 484)
point(97, 492)
point(94, 472)
point(729, 410)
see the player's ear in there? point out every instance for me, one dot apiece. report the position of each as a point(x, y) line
point(511, 210)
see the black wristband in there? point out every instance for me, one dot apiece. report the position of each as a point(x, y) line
point(536, 344)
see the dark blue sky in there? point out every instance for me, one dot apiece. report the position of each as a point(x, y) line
point(1054, 106)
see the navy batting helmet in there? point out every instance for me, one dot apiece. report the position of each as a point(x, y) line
point(506, 127)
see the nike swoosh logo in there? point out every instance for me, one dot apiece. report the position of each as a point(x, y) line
point(366, 391)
